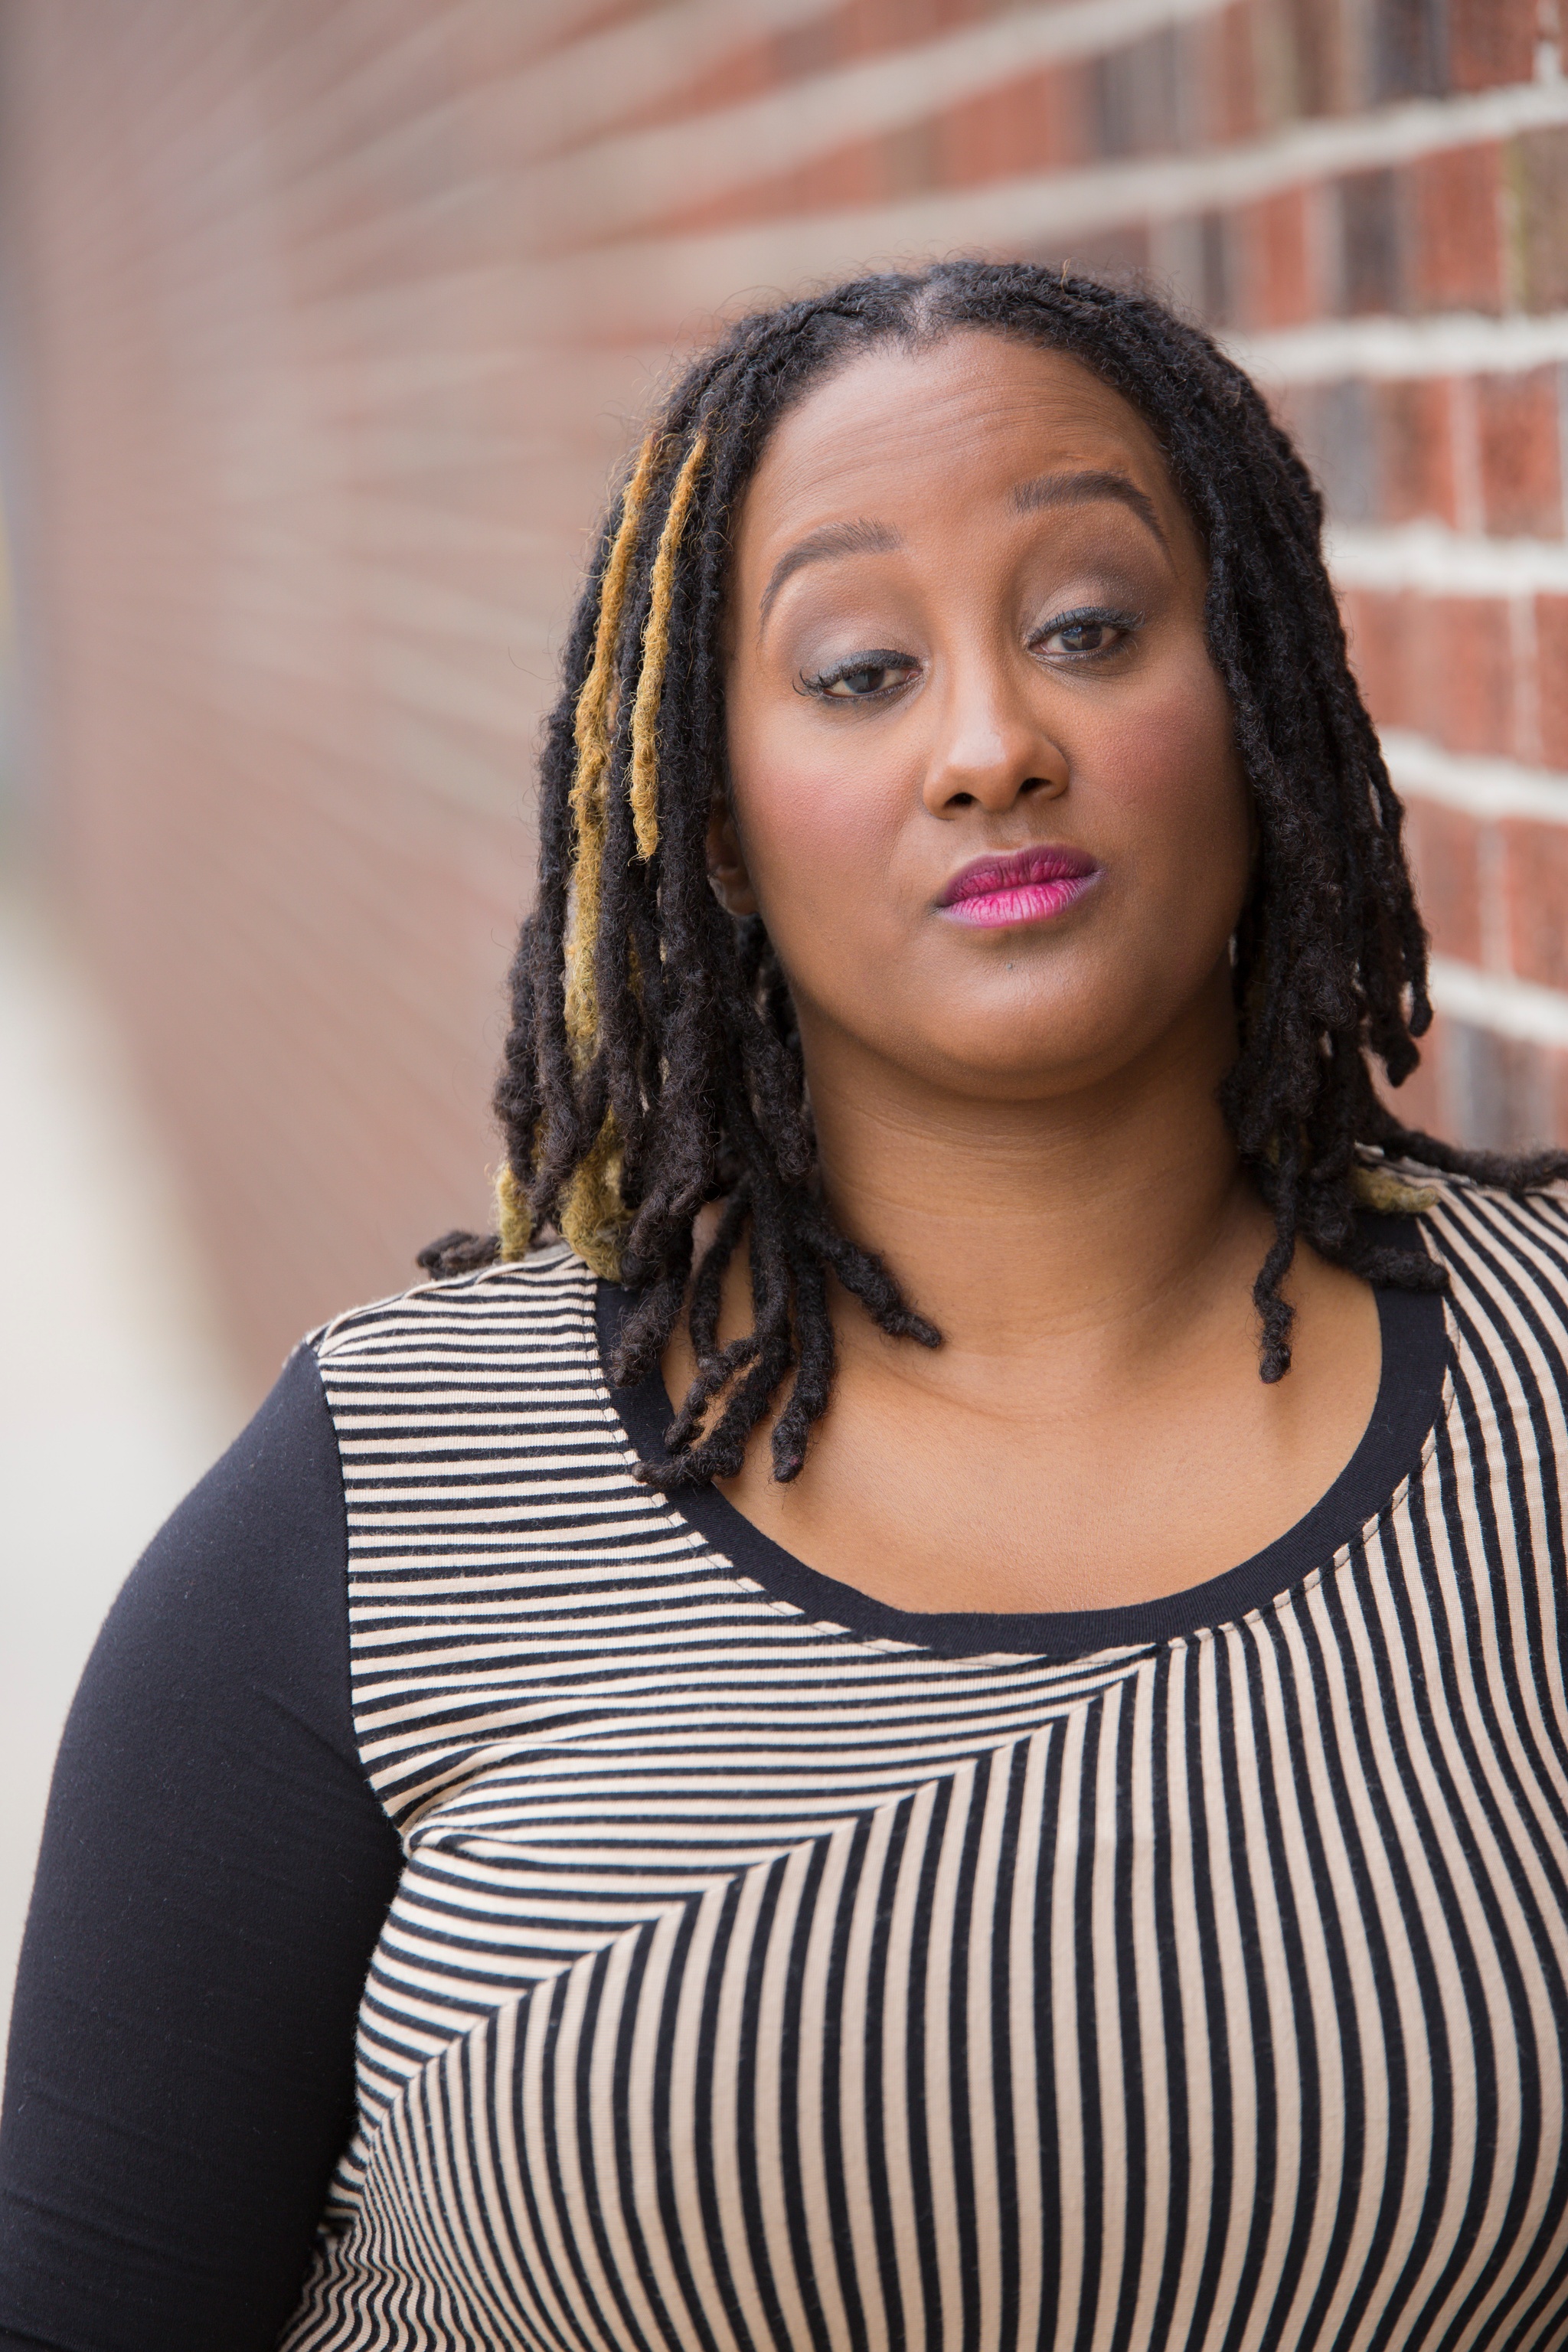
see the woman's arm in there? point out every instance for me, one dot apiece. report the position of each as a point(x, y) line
point(214, 1875)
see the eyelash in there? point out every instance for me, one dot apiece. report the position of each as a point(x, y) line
point(1089, 616)
point(885, 658)
point(882, 657)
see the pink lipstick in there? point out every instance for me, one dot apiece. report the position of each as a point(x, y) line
point(1026, 886)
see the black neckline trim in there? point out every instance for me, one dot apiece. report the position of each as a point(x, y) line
point(1409, 1400)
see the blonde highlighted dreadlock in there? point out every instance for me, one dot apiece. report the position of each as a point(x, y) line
point(592, 728)
point(653, 1066)
point(656, 652)
point(514, 1219)
point(593, 1214)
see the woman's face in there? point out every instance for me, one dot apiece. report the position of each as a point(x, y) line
point(985, 791)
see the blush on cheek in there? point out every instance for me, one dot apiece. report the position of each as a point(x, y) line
point(811, 831)
point(1173, 757)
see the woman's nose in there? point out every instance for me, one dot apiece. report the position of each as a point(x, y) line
point(991, 750)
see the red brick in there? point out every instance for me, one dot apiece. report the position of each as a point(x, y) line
point(1454, 204)
point(1552, 676)
point(1378, 629)
point(1491, 1093)
point(1316, 61)
point(1521, 454)
point(1138, 96)
point(1372, 261)
point(1490, 42)
point(1415, 450)
point(1220, 61)
point(1272, 274)
point(1535, 881)
point(1461, 668)
point(909, 160)
point(1538, 165)
point(1443, 846)
point(1402, 49)
point(1481, 1091)
point(1338, 441)
point(1504, 1098)
point(1038, 123)
point(810, 48)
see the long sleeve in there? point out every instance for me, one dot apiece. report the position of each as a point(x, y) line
point(213, 1875)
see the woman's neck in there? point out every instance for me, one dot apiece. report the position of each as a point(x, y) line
point(1082, 1217)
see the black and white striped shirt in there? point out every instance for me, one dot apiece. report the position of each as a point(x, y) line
point(765, 1966)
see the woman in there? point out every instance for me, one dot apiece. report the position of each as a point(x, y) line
point(947, 1727)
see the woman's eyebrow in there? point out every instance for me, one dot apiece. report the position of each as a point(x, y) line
point(833, 539)
point(1072, 489)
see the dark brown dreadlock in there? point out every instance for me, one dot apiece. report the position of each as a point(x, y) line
point(653, 1064)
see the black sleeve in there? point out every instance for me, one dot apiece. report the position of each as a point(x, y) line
point(215, 1873)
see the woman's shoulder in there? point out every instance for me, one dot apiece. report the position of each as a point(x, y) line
point(1409, 1186)
point(1492, 1238)
point(544, 1300)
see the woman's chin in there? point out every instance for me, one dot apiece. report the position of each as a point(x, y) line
point(999, 1065)
point(1035, 1052)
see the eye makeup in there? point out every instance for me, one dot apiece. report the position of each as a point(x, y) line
point(883, 664)
point(1117, 623)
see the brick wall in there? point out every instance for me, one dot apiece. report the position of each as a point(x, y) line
point(322, 326)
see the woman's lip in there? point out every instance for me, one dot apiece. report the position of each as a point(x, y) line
point(1028, 886)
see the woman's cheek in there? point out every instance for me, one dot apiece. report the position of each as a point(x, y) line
point(1167, 775)
point(1169, 751)
point(818, 833)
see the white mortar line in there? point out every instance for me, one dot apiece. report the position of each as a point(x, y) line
point(1510, 1008)
point(1429, 557)
point(578, 90)
point(1459, 343)
point(653, 281)
point(600, 189)
point(1486, 789)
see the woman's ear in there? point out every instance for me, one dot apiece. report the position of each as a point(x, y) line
point(727, 864)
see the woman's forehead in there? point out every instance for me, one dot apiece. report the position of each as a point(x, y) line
point(975, 414)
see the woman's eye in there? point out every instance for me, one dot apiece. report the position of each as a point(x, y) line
point(862, 681)
point(1089, 632)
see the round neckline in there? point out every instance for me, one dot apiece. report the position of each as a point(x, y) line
point(1409, 1401)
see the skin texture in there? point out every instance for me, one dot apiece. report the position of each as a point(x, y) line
point(946, 642)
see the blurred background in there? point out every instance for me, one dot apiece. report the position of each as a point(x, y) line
point(321, 331)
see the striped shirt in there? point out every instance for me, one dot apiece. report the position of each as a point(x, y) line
point(738, 1964)
point(770, 1967)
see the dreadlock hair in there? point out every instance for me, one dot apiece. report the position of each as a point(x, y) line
point(654, 1064)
